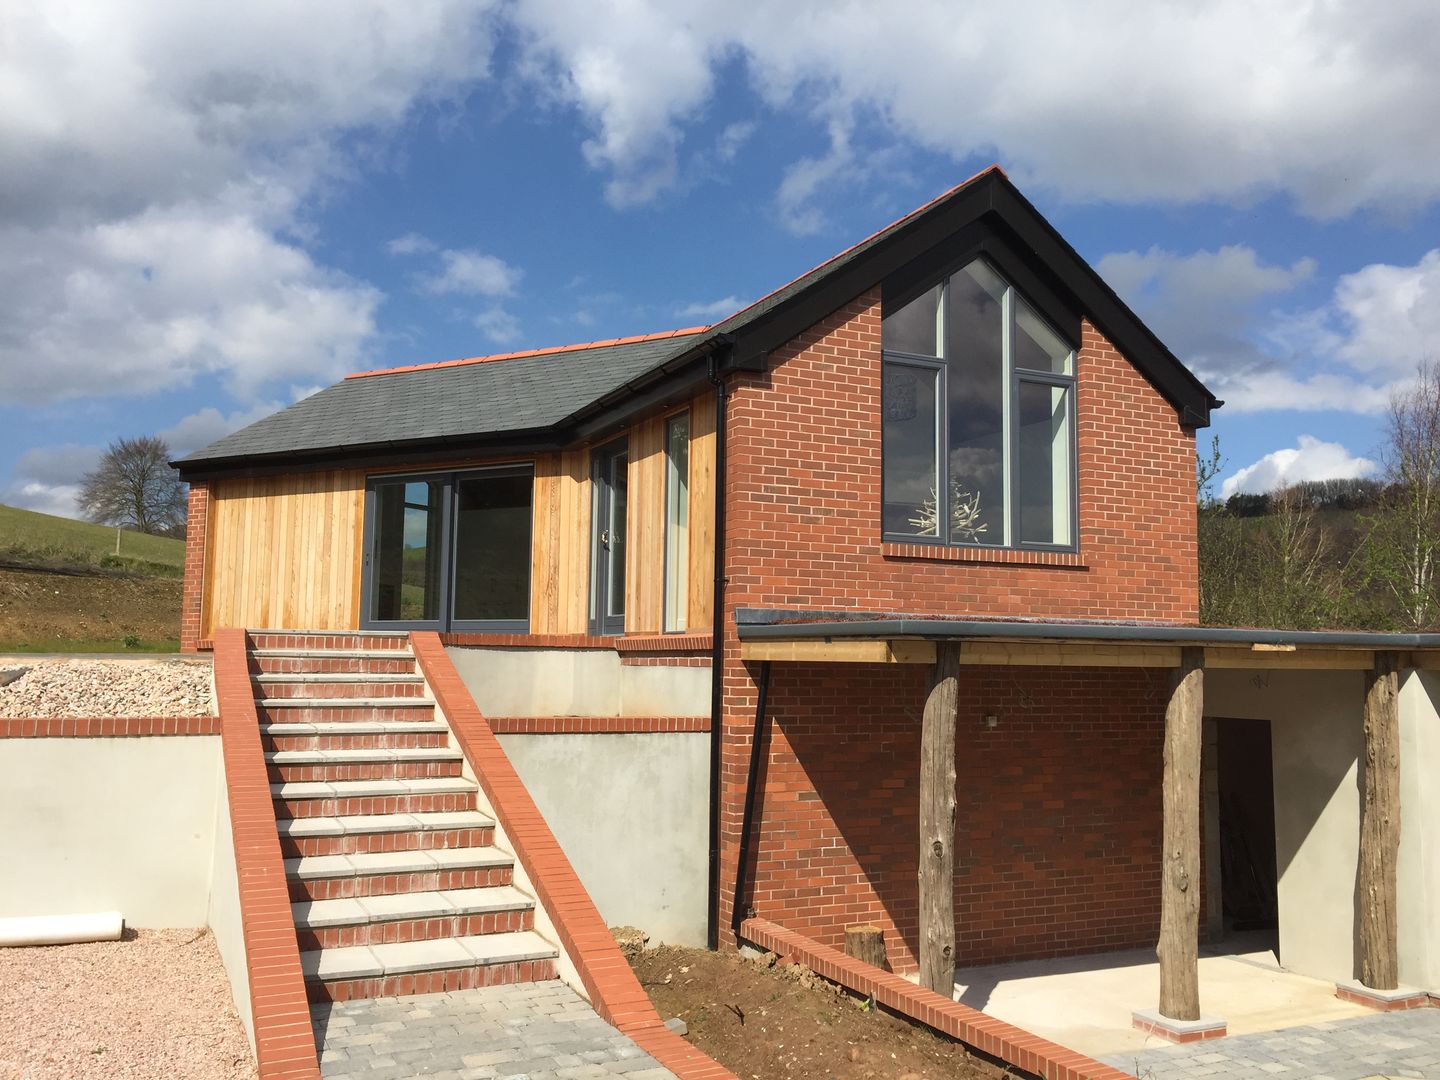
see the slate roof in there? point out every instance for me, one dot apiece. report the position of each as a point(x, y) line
point(542, 390)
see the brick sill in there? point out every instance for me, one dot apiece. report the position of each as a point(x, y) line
point(1069, 560)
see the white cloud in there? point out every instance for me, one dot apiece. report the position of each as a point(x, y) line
point(411, 244)
point(1310, 459)
point(47, 478)
point(1389, 316)
point(202, 428)
point(712, 309)
point(1220, 101)
point(473, 273)
point(498, 325)
point(159, 161)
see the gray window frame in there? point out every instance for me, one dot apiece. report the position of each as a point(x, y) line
point(447, 623)
point(1014, 377)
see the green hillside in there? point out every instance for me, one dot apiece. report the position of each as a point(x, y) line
point(28, 537)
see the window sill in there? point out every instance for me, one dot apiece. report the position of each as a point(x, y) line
point(1071, 560)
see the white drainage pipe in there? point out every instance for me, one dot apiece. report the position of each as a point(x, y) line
point(61, 929)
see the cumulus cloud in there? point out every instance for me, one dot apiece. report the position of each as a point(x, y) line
point(498, 325)
point(1176, 103)
point(159, 159)
point(202, 428)
point(710, 309)
point(1310, 459)
point(47, 478)
point(411, 244)
point(473, 273)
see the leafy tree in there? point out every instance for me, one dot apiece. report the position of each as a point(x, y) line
point(1401, 552)
point(135, 487)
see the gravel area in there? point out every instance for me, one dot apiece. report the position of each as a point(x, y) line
point(106, 688)
point(156, 1006)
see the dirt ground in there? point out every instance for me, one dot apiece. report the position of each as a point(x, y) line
point(155, 1006)
point(784, 1023)
point(44, 611)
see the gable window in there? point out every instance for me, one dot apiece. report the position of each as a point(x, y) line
point(978, 401)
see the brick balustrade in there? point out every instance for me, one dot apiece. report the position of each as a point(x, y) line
point(284, 1038)
point(611, 986)
point(106, 727)
point(996, 1038)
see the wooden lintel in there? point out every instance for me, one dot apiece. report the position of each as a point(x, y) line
point(1068, 654)
point(845, 651)
point(1300, 659)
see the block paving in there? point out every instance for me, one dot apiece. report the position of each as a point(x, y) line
point(1361, 1048)
point(539, 1030)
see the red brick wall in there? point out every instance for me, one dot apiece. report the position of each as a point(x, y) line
point(1059, 807)
point(1058, 823)
point(197, 523)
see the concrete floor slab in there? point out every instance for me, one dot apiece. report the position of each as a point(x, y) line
point(1087, 1002)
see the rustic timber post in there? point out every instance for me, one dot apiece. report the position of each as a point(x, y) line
point(1380, 825)
point(937, 825)
point(1180, 884)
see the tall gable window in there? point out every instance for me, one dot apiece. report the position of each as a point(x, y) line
point(979, 400)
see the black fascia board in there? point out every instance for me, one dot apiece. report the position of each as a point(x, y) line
point(766, 624)
point(667, 383)
point(401, 454)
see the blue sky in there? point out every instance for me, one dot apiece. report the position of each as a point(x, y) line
point(207, 214)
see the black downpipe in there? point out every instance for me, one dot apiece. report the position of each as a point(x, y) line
point(747, 823)
point(717, 655)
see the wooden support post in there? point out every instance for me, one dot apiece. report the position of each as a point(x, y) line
point(1210, 807)
point(937, 826)
point(866, 944)
point(1380, 826)
point(1180, 884)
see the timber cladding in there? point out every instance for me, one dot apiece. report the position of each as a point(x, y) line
point(1058, 827)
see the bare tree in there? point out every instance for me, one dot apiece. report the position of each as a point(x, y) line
point(135, 486)
point(1298, 576)
point(1401, 552)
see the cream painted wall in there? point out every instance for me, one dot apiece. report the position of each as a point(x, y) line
point(1418, 902)
point(223, 913)
point(1317, 739)
point(577, 682)
point(109, 824)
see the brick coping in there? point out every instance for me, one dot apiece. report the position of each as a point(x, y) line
point(1399, 1000)
point(998, 1039)
point(280, 1011)
point(597, 725)
point(611, 985)
point(105, 727)
point(649, 644)
point(995, 556)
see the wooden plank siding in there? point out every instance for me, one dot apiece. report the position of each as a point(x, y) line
point(285, 551)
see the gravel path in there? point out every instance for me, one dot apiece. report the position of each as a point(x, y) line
point(155, 1007)
point(107, 688)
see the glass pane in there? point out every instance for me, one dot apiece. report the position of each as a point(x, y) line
point(615, 523)
point(677, 520)
point(406, 558)
point(1044, 480)
point(492, 547)
point(911, 449)
point(976, 406)
point(915, 327)
point(1037, 347)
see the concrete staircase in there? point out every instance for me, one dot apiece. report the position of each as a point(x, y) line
point(396, 884)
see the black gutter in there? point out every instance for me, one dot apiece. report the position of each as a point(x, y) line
point(739, 912)
point(717, 655)
point(755, 625)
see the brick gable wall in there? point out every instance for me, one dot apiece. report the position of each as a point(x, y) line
point(1059, 807)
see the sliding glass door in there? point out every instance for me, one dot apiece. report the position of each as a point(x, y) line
point(449, 551)
point(607, 593)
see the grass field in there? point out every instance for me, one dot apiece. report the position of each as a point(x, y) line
point(44, 539)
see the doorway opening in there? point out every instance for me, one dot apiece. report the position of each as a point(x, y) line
point(1245, 815)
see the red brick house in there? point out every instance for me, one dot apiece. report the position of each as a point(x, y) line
point(952, 432)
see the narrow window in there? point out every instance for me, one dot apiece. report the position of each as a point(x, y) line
point(677, 520)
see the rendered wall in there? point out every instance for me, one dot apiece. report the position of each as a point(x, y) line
point(1419, 870)
point(223, 915)
point(123, 824)
point(1317, 740)
point(578, 682)
point(631, 813)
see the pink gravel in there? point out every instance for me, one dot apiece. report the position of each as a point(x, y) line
point(155, 1007)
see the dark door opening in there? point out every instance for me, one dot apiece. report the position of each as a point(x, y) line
point(1248, 881)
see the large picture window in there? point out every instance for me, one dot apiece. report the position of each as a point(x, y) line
point(978, 401)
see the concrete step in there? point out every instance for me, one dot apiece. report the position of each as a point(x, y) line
point(356, 735)
point(384, 832)
point(336, 877)
point(371, 763)
point(346, 798)
point(344, 710)
point(418, 967)
point(324, 687)
point(420, 916)
point(374, 662)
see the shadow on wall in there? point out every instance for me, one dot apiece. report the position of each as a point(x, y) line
point(1058, 808)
